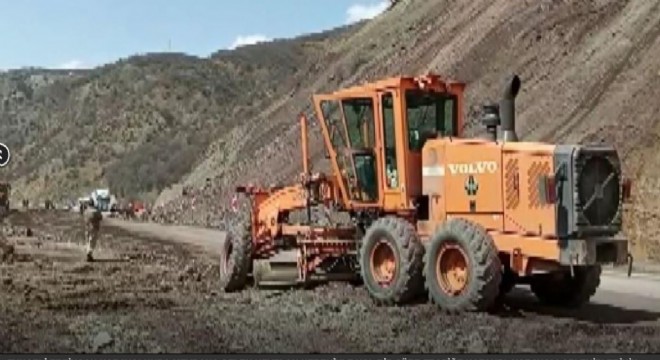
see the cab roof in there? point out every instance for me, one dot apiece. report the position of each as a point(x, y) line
point(431, 80)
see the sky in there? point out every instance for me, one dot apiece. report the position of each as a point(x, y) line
point(75, 34)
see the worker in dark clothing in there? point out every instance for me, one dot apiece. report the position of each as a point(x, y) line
point(81, 208)
point(92, 229)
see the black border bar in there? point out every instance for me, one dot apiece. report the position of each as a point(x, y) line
point(329, 356)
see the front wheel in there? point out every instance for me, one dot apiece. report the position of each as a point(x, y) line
point(462, 267)
point(236, 253)
point(235, 261)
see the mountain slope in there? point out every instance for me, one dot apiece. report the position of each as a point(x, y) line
point(140, 124)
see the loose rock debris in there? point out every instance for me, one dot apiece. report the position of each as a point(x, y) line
point(144, 295)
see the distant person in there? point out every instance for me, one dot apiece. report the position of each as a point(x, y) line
point(92, 229)
point(129, 211)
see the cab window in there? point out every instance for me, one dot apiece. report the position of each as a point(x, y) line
point(392, 174)
point(429, 115)
point(359, 114)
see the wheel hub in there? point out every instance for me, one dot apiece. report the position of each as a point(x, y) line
point(383, 263)
point(452, 269)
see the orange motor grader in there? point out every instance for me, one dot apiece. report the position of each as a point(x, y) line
point(430, 212)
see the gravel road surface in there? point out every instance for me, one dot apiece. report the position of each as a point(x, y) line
point(154, 289)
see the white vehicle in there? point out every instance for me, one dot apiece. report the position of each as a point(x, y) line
point(102, 200)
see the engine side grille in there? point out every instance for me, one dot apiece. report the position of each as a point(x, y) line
point(598, 191)
point(589, 191)
point(597, 186)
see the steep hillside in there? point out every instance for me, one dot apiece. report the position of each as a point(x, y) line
point(141, 123)
point(589, 68)
point(590, 73)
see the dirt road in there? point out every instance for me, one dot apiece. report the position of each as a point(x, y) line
point(154, 291)
point(640, 292)
point(207, 242)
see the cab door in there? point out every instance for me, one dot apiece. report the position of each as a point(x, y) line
point(392, 151)
point(350, 131)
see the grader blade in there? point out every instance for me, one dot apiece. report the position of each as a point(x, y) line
point(281, 270)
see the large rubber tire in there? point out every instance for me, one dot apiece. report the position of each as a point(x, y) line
point(236, 253)
point(566, 291)
point(399, 236)
point(484, 270)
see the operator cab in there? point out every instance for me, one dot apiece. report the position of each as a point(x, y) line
point(375, 132)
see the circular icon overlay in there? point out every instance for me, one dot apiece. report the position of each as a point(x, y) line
point(4, 155)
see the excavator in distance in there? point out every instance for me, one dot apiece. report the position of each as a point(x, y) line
point(462, 220)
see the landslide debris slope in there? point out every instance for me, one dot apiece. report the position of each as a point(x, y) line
point(590, 73)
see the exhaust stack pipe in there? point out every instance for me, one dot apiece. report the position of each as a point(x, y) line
point(508, 109)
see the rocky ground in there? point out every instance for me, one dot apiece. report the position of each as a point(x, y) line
point(146, 295)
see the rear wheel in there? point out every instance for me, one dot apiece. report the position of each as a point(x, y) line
point(562, 289)
point(462, 267)
point(391, 261)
